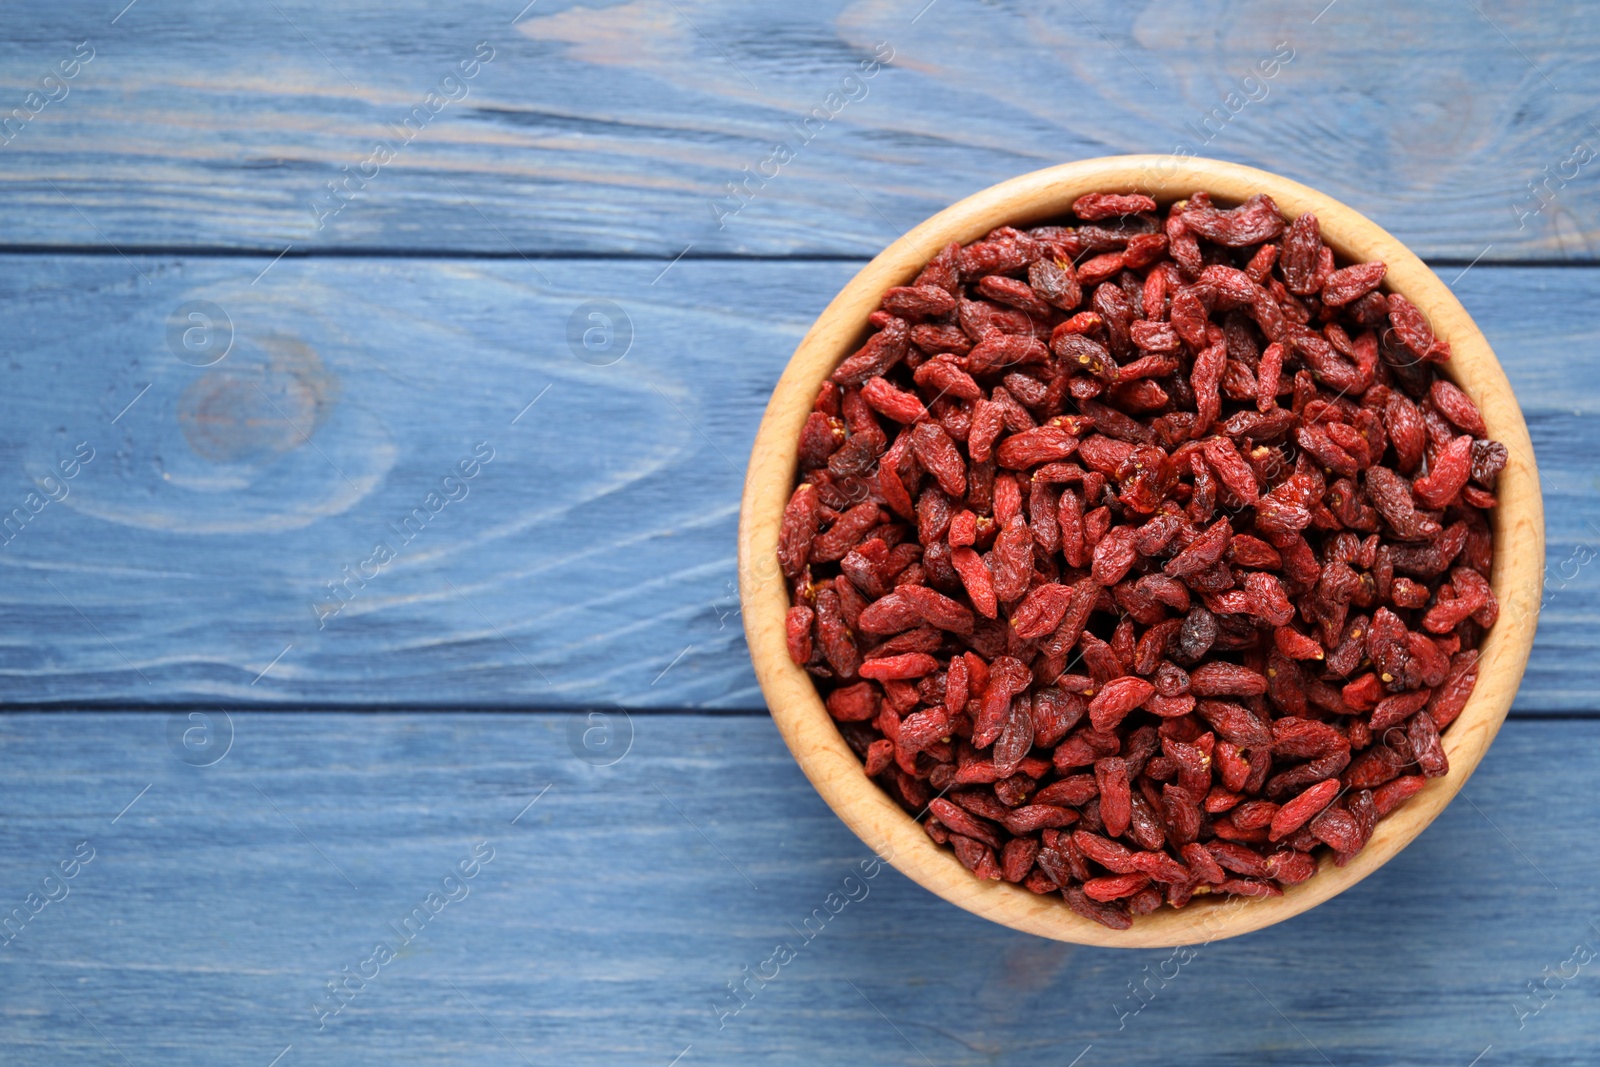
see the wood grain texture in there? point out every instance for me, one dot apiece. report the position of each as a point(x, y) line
point(616, 127)
point(207, 924)
point(598, 544)
point(796, 704)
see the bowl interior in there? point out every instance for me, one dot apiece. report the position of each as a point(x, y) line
point(833, 767)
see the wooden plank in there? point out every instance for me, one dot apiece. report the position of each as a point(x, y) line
point(617, 128)
point(591, 561)
point(617, 908)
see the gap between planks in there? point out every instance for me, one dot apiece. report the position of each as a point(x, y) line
point(456, 254)
point(361, 252)
point(84, 707)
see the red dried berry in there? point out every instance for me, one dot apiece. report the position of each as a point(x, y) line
point(797, 633)
point(1446, 476)
point(1351, 284)
point(1116, 699)
point(887, 400)
point(1299, 811)
point(976, 578)
point(1097, 206)
point(1391, 795)
point(905, 665)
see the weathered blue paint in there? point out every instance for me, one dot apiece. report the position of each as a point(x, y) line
point(618, 907)
point(189, 516)
point(605, 128)
point(592, 552)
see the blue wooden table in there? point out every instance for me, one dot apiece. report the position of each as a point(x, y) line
point(374, 685)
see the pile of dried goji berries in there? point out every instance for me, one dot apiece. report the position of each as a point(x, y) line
point(1142, 557)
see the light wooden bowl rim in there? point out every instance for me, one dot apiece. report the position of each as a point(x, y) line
point(810, 733)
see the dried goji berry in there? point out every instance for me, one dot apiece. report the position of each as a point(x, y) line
point(1096, 206)
point(1446, 476)
point(896, 404)
point(905, 665)
point(1352, 283)
point(1391, 795)
point(1297, 812)
point(801, 517)
point(797, 633)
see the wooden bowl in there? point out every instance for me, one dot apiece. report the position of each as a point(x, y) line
point(836, 771)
